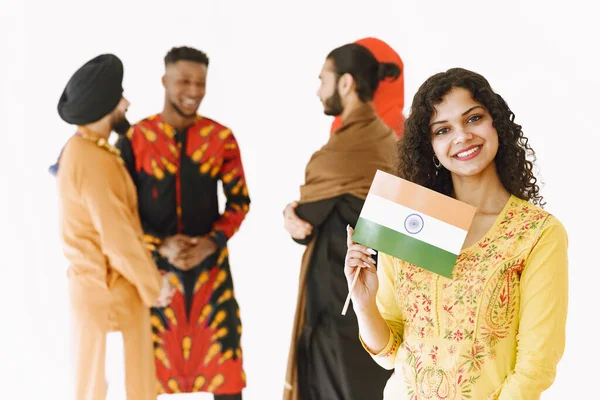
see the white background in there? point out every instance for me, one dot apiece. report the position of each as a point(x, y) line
point(262, 82)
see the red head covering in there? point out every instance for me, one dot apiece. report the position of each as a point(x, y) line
point(389, 96)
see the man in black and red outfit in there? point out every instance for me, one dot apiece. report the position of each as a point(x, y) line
point(176, 159)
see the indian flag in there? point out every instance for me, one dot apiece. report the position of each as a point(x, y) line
point(413, 223)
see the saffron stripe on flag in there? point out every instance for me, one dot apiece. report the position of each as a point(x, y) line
point(423, 200)
point(404, 247)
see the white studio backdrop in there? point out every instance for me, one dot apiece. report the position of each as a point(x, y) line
point(265, 57)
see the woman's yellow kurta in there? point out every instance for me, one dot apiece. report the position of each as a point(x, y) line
point(496, 330)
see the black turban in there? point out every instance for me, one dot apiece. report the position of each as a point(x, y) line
point(93, 91)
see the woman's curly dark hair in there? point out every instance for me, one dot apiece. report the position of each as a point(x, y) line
point(415, 153)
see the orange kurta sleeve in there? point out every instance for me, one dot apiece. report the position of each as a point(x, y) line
point(109, 195)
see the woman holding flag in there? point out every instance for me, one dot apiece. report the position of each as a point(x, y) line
point(494, 329)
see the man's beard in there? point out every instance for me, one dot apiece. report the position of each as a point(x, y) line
point(178, 111)
point(333, 105)
point(121, 126)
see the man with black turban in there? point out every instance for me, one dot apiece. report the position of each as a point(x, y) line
point(113, 280)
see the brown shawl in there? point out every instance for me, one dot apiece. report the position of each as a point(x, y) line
point(345, 165)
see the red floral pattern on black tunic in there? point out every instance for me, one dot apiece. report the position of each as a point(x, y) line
point(196, 338)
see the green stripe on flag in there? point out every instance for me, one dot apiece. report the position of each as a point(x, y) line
point(404, 247)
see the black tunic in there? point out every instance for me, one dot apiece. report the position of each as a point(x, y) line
point(197, 338)
point(332, 364)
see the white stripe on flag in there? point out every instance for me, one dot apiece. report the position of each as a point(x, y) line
point(393, 216)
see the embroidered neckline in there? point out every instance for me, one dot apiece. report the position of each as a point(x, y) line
point(507, 206)
point(100, 142)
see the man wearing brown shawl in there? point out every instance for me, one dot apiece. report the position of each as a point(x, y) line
point(327, 361)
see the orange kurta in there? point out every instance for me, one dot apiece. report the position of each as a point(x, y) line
point(112, 278)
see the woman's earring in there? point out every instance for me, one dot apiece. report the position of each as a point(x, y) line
point(436, 162)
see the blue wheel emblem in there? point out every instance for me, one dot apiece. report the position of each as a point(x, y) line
point(413, 224)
